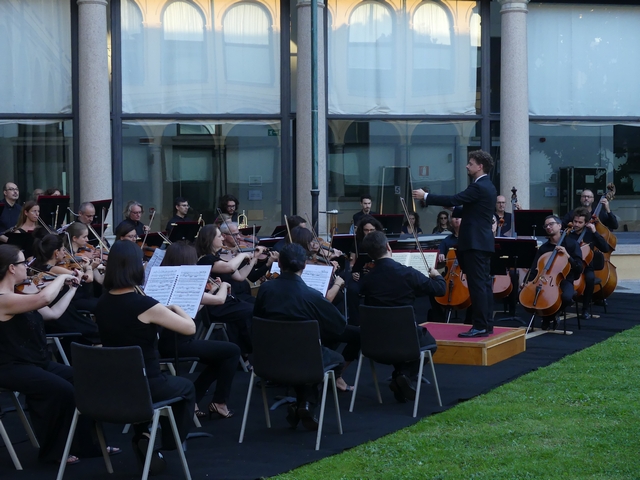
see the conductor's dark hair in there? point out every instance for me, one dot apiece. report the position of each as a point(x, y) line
point(582, 212)
point(124, 268)
point(45, 247)
point(293, 258)
point(179, 253)
point(375, 245)
point(204, 242)
point(8, 254)
point(482, 158)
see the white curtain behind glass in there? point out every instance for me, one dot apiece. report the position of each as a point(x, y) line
point(35, 57)
point(222, 60)
point(421, 59)
point(584, 60)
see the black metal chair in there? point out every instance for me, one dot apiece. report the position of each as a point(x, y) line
point(289, 353)
point(389, 336)
point(111, 386)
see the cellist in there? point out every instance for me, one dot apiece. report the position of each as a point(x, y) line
point(607, 218)
point(586, 232)
point(569, 248)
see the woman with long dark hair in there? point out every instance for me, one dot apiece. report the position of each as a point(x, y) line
point(220, 358)
point(127, 317)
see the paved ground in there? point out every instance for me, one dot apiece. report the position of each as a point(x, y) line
point(628, 286)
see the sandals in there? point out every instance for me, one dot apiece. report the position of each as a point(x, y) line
point(214, 409)
point(72, 460)
point(113, 451)
point(200, 414)
point(347, 388)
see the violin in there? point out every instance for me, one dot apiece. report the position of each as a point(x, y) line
point(457, 293)
point(543, 295)
point(36, 281)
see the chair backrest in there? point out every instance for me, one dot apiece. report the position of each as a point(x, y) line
point(111, 384)
point(388, 334)
point(287, 352)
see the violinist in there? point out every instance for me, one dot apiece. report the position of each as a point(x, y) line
point(11, 211)
point(24, 359)
point(77, 243)
point(607, 218)
point(594, 240)
point(569, 248)
point(292, 222)
point(126, 231)
point(132, 214)
point(220, 358)
point(29, 215)
point(49, 253)
point(367, 225)
point(181, 206)
point(390, 284)
point(235, 313)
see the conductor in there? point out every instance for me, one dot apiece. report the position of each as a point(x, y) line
point(476, 241)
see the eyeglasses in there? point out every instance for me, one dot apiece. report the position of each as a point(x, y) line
point(13, 189)
point(550, 224)
point(132, 236)
point(231, 205)
point(586, 196)
point(443, 218)
point(136, 213)
point(23, 262)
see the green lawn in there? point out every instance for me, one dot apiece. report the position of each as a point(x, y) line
point(577, 418)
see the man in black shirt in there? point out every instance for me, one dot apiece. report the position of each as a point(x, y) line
point(132, 214)
point(594, 240)
point(587, 198)
point(569, 248)
point(390, 284)
point(11, 211)
point(365, 203)
point(182, 208)
point(289, 298)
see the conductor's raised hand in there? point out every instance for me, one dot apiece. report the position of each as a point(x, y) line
point(419, 194)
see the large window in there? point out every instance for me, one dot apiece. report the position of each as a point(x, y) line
point(183, 60)
point(202, 161)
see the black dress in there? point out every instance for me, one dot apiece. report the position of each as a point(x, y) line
point(117, 318)
point(47, 386)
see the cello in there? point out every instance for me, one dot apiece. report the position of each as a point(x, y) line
point(457, 294)
point(543, 295)
point(502, 286)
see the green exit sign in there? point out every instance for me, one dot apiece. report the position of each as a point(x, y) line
point(272, 132)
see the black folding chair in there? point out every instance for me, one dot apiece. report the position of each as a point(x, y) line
point(389, 336)
point(111, 386)
point(289, 353)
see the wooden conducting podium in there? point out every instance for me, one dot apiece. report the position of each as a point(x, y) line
point(502, 344)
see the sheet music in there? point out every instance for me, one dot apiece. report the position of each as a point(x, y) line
point(182, 286)
point(414, 259)
point(317, 277)
point(155, 260)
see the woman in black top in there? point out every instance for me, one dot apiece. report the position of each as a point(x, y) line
point(443, 225)
point(126, 317)
point(234, 312)
point(412, 224)
point(220, 358)
point(24, 359)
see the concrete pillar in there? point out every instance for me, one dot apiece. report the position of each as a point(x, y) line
point(94, 128)
point(514, 101)
point(303, 123)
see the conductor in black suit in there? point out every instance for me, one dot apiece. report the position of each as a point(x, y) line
point(476, 241)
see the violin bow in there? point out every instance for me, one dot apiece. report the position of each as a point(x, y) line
point(286, 223)
point(415, 234)
point(226, 222)
point(153, 214)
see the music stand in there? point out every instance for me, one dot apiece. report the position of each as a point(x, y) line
point(184, 231)
point(269, 242)
point(530, 222)
point(279, 231)
point(344, 242)
point(99, 205)
point(512, 253)
point(49, 206)
point(97, 227)
point(391, 222)
point(153, 240)
point(249, 230)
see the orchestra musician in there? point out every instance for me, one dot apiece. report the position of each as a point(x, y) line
point(24, 358)
point(581, 222)
point(501, 214)
point(132, 214)
point(366, 203)
point(607, 218)
point(53, 192)
point(220, 358)
point(476, 243)
point(77, 239)
point(391, 284)
point(228, 205)
point(292, 222)
point(11, 211)
point(569, 248)
point(126, 231)
point(36, 193)
point(29, 215)
point(413, 223)
point(181, 206)
point(289, 298)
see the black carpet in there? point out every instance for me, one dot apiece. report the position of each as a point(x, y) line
point(267, 452)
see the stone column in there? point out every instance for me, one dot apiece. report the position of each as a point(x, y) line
point(94, 128)
point(303, 123)
point(514, 101)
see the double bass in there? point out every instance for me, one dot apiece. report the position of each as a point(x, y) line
point(608, 276)
point(543, 295)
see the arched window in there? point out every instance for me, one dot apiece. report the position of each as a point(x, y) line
point(433, 56)
point(371, 51)
point(132, 43)
point(247, 44)
point(184, 59)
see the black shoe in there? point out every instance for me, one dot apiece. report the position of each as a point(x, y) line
point(490, 330)
point(397, 394)
point(474, 333)
point(404, 384)
point(585, 315)
point(140, 447)
point(292, 415)
point(309, 421)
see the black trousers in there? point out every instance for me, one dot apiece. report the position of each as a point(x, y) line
point(566, 286)
point(590, 282)
point(220, 360)
point(476, 265)
point(310, 393)
point(351, 337)
point(237, 316)
point(166, 387)
point(411, 368)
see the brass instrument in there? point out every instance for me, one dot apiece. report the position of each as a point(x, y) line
point(243, 222)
